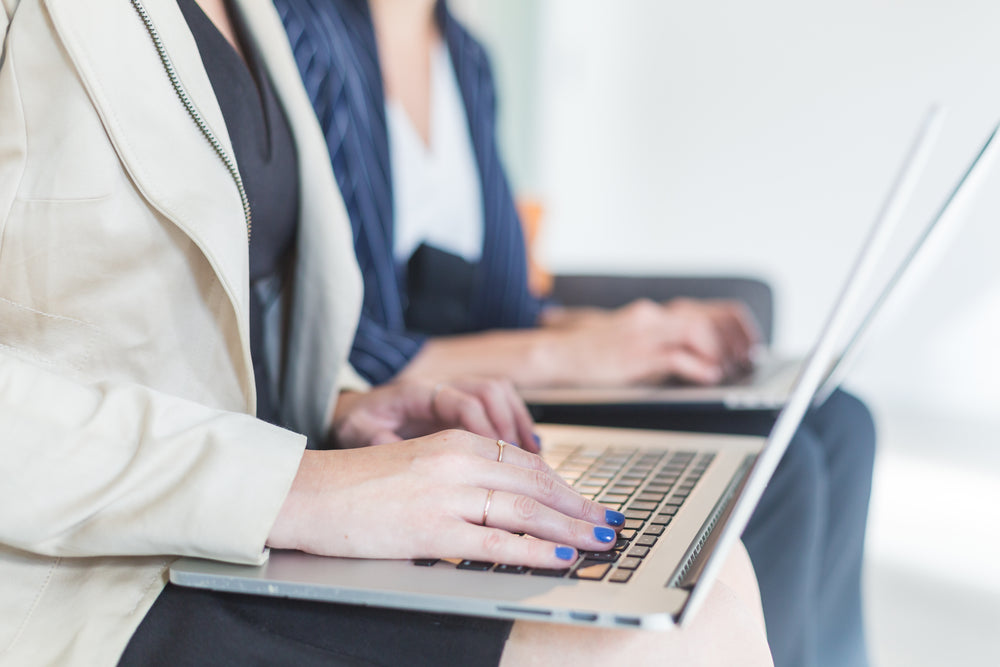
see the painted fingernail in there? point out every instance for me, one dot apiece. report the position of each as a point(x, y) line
point(604, 534)
point(538, 438)
point(515, 444)
point(565, 553)
point(613, 518)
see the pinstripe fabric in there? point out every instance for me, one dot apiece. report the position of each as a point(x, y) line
point(334, 46)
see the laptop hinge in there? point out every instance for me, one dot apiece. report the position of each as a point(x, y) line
point(694, 560)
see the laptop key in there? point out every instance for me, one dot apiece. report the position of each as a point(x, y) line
point(660, 520)
point(654, 530)
point(646, 540)
point(636, 514)
point(620, 576)
point(542, 572)
point(638, 552)
point(633, 524)
point(425, 562)
point(641, 505)
point(601, 556)
point(477, 565)
point(629, 563)
point(591, 570)
point(511, 569)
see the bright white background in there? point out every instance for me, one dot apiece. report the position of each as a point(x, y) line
point(759, 138)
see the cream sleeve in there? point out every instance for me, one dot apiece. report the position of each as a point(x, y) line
point(120, 469)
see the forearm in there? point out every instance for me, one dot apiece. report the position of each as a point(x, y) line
point(528, 357)
point(562, 317)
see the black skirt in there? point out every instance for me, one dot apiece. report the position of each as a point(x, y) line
point(188, 626)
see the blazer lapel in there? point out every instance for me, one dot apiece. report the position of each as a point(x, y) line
point(168, 158)
point(182, 177)
point(327, 281)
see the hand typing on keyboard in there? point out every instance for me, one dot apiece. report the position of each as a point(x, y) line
point(410, 408)
point(684, 340)
point(649, 487)
point(428, 498)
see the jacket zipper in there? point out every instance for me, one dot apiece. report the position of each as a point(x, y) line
point(195, 115)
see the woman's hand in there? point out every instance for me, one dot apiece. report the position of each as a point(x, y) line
point(427, 498)
point(702, 342)
point(412, 408)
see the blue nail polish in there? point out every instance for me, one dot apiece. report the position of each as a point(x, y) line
point(614, 518)
point(565, 553)
point(538, 439)
point(604, 534)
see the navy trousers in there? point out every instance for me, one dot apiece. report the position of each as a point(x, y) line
point(806, 538)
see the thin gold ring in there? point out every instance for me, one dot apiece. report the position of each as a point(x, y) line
point(486, 507)
point(500, 444)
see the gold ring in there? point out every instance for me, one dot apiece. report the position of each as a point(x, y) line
point(500, 444)
point(486, 507)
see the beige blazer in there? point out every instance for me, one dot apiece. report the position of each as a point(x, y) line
point(125, 375)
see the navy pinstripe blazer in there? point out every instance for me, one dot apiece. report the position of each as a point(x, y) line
point(334, 46)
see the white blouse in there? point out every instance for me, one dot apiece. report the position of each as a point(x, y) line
point(437, 193)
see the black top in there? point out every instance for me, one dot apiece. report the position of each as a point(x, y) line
point(267, 161)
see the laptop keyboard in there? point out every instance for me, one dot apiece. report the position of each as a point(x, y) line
point(648, 487)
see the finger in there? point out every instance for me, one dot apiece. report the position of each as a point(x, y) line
point(733, 340)
point(739, 329)
point(522, 514)
point(495, 545)
point(516, 457)
point(738, 326)
point(523, 422)
point(544, 487)
point(528, 474)
point(684, 364)
point(701, 335)
point(499, 408)
point(747, 323)
point(455, 408)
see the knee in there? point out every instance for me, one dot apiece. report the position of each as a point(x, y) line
point(801, 471)
point(845, 423)
point(794, 497)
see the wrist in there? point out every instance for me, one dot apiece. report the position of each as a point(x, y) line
point(548, 358)
point(286, 531)
point(347, 402)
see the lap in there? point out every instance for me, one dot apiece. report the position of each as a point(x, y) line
point(727, 630)
point(189, 626)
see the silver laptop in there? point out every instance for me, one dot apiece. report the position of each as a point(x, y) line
point(767, 387)
point(686, 497)
point(682, 496)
